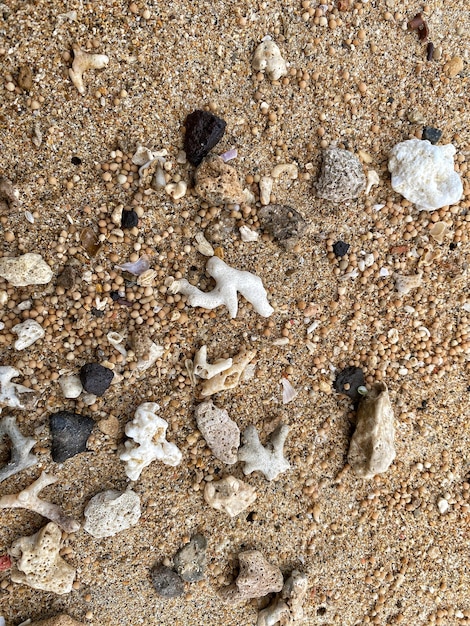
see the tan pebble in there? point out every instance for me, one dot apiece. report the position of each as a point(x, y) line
point(453, 67)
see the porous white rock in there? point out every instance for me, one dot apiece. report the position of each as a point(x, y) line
point(148, 431)
point(230, 495)
point(21, 455)
point(341, 177)
point(372, 448)
point(256, 579)
point(71, 386)
point(27, 269)
point(424, 174)
point(82, 62)
point(229, 378)
point(28, 332)
point(287, 607)
point(10, 392)
point(39, 563)
point(229, 282)
point(267, 459)
point(206, 370)
point(111, 512)
point(222, 434)
point(268, 58)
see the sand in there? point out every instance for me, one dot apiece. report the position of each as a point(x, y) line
point(375, 551)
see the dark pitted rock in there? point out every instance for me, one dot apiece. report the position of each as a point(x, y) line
point(432, 134)
point(348, 382)
point(129, 219)
point(67, 278)
point(70, 433)
point(96, 378)
point(167, 584)
point(283, 223)
point(342, 177)
point(340, 248)
point(190, 561)
point(204, 130)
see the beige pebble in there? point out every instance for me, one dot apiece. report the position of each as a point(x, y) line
point(454, 66)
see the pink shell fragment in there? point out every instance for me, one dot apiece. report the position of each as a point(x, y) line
point(137, 267)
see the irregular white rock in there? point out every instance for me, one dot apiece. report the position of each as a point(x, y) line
point(27, 269)
point(268, 58)
point(341, 177)
point(288, 391)
point(148, 431)
point(424, 174)
point(372, 448)
point(246, 234)
point(269, 459)
point(176, 190)
point(265, 189)
point(203, 246)
point(116, 339)
point(154, 353)
point(287, 607)
point(229, 378)
point(256, 579)
point(372, 180)
point(222, 434)
point(28, 332)
point(39, 564)
point(404, 284)
point(71, 386)
point(82, 62)
point(290, 169)
point(111, 512)
point(142, 155)
point(229, 281)
point(443, 506)
point(21, 455)
point(230, 495)
point(206, 370)
point(9, 392)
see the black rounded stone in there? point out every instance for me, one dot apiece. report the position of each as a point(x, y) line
point(129, 219)
point(340, 248)
point(204, 130)
point(166, 583)
point(432, 134)
point(95, 378)
point(75, 160)
point(70, 433)
point(353, 377)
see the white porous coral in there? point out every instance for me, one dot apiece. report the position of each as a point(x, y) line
point(222, 434)
point(28, 499)
point(27, 269)
point(229, 378)
point(424, 174)
point(287, 607)
point(21, 455)
point(111, 512)
point(270, 459)
point(39, 563)
point(28, 332)
point(148, 431)
point(256, 579)
point(229, 282)
point(82, 62)
point(9, 392)
point(268, 58)
point(230, 495)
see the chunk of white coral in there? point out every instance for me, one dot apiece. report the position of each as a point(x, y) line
point(268, 58)
point(154, 353)
point(424, 174)
point(229, 378)
point(229, 282)
point(269, 459)
point(82, 62)
point(110, 512)
point(287, 607)
point(28, 332)
point(206, 370)
point(230, 495)
point(10, 392)
point(21, 455)
point(148, 431)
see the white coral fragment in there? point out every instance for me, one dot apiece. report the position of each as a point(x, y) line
point(148, 431)
point(27, 269)
point(230, 495)
point(372, 180)
point(246, 234)
point(269, 459)
point(82, 62)
point(28, 499)
point(404, 284)
point(206, 370)
point(288, 391)
point(21, 455)
point(268, 58)
point(154, 353)
point(256, 579)
point(229, 282)
point(287, 607)
point(9, 392)
point(111, 512)
point(71, 386)
point(229, 378)
point(116, 339)
point(424, 174)
point(28, 333)
point(222, 434)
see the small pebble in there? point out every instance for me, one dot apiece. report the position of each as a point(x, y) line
point(95, 378)
point(166, 583)
point(204, 130)
point(432, 134)
point(129, 219)
point(348, 381)
point(70, 433)
point(340, 248)
point(190, 561)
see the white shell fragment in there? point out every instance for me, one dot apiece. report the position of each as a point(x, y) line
point(229, 281)
point(265, 189)
point(82, 62)
point(372, 180)
point(443, 506)
point(230, 495)
point(27, 269)
point(111, 512)
point(269, 459)
point(21, 455)
point(206, 370)
point(268, 58)
point(288, 391)
point(229, 378)
point(116, 339)
point(372, 448)
point(424, 174)
point(246, 234)
point(9, 392)
point(28, 332)
point(71, 386)
point(148, 431)
point(222, 434)
point(202, 245)
point(404, 284)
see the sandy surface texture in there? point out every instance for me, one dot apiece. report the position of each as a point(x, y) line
point(376, 551)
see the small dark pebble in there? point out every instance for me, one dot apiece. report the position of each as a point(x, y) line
point(129, 219)
point(204, 130)
point(97, 312)
point(190, 561)
point(76, 160)
point(67, 278)
point(115, 295)
point(340, 248)
point(69, 433)
point(96, 378)
point(432, 134)
point(167, 584)
point(430, 51)
point(283, 223)
point(452, 245)
point(352, 376)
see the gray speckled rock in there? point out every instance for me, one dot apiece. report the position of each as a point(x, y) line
point(166, 582)
point(220, 432)
point(190, 561)
point(342, 177)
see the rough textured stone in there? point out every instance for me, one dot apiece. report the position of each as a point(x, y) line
point(287, 607)
point(190, 561)
point(129, 219)
point(268, 58)
point(222, 434)
point(283, 223)
point(217, 182)
point(166, 582)
point(96, 378)
point(28, 269)
point(204, 130)
point(340, 248)
point(257, 578)
point(372, 448)
point(230, 495)
point(67, 278)
point(70, 433)
point(111, 512)
point(342, 177)
point(58, 620)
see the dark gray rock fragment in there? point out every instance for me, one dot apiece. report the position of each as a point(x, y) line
point(283, 223)
point(95, 378)
point(348, 381)
point(67, 278)
point(190, 561)
point(204, 130)
point(70, 433)
point(166, 583)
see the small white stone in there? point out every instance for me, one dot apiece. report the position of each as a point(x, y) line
point(71, 386)
point(28, 269)
point(111, 512)
point(442, 505)
point(265, 188)
point(28, 332)
point(247, 234)
point(268, 58)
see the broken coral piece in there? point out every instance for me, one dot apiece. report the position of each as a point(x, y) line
point(256, 579)
point(21, 455)
point(148, 431)
point(287, 607)
point(230, 495)
point(404, 284)
point(28, 499)
point(229, 281)
point(342, 177)
point(217, 182)
point(206, 370)
point(372, 448)
point(28, 332)
point(269, 459)
point(111, 512)
point(267, 58)
point(288, 391)
point(82, 62)
point(9, 392)
point(222, 434)
point(228, 379)
point(27, 269)
point(39, 563)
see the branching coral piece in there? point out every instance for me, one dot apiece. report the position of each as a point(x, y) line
point(206, 370)
point(82, 62)
point(286, 608)
point(229, 282)
point(21, 456)
point(270, 459)
point(28, 499)
point(229, 378)
point(9, 391)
